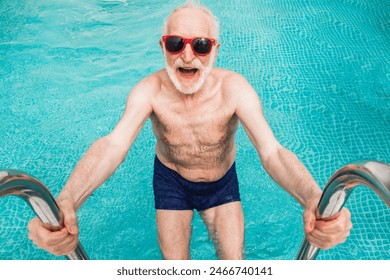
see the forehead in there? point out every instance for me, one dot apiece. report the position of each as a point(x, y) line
point(190, 22)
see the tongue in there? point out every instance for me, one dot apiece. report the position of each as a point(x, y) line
point(188, 71)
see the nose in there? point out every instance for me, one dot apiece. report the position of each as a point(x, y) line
point(187, 54)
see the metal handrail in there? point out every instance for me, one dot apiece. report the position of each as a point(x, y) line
point(38, 197)
point(374, 174)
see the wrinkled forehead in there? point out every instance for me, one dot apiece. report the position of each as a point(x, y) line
point(190, 22)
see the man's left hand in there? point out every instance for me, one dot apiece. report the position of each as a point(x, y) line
point(327, 234)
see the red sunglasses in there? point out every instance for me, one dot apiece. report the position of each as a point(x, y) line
point(199, 45)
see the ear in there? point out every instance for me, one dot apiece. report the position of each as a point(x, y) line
point(161, 46)
point(216, 49)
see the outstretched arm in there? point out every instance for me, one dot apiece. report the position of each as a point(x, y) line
point(287, 171)
point(96, 166)
point(108, 152)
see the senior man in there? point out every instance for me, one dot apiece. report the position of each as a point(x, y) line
point(195, 109)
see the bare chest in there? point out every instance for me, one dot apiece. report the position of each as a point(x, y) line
point(206, 123)
point(203, 131)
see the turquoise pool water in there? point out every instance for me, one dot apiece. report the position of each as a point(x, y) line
point(321, 69)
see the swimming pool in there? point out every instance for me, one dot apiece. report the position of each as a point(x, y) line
point(321, 71)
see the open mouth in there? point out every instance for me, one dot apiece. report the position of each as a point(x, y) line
point(188, 71)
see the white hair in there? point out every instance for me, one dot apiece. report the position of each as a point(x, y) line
point(195, 4)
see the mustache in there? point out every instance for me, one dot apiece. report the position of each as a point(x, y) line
point(193, 64)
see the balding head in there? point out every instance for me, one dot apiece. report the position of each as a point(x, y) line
point(192, 11)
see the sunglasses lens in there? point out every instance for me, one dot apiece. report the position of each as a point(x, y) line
point(202, 45)
point(174, 44)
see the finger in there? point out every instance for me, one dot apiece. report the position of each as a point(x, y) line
point(332, 230)
point(70, 217)
point(65, 248)
point(341, 223)
point(61, 248)
point(71, 247)
point(325, 243)
point(36, 228)
point(32, 227)
point(327, 240)
point(309, 220)
point(45, 238)
point(59, 237)
point(328, 227)
point(324, 237)
point(318, 242)
point(35, 222)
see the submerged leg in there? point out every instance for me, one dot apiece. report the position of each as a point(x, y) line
point(174, 233)
point(226, 226)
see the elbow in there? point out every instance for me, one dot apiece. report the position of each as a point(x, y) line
point(271, 157)
point(116, 152)
point(267, 159)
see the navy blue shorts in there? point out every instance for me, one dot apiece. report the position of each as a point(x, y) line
point(173, 192)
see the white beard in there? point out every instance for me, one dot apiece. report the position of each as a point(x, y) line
point(195, 64)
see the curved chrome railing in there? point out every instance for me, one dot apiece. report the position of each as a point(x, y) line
point(373, 174)
point(38, 197)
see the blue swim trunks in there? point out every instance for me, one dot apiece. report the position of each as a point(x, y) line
point(173, 192)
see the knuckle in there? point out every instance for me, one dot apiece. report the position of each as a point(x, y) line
point(50, 242)
point(76, 242)
point(30, 236)
point(326, 245)
point(72, 214)
point(56, 252)
point(71, 217)
point(32, 223)
point(307, 214)
point(332, 240)
point(329, 242)
point(46, 242)
point(340, 227)
point(73, 247)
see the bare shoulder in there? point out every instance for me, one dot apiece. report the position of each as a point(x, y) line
point(141, 96)
point(232, 82)
point(235, 85)
point(228, 73)
point(144, 91)
point(148, 85)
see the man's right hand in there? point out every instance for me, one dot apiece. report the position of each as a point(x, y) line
point(62, 242)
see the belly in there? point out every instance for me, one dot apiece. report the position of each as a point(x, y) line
point(197, 161)
point(200, 147)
